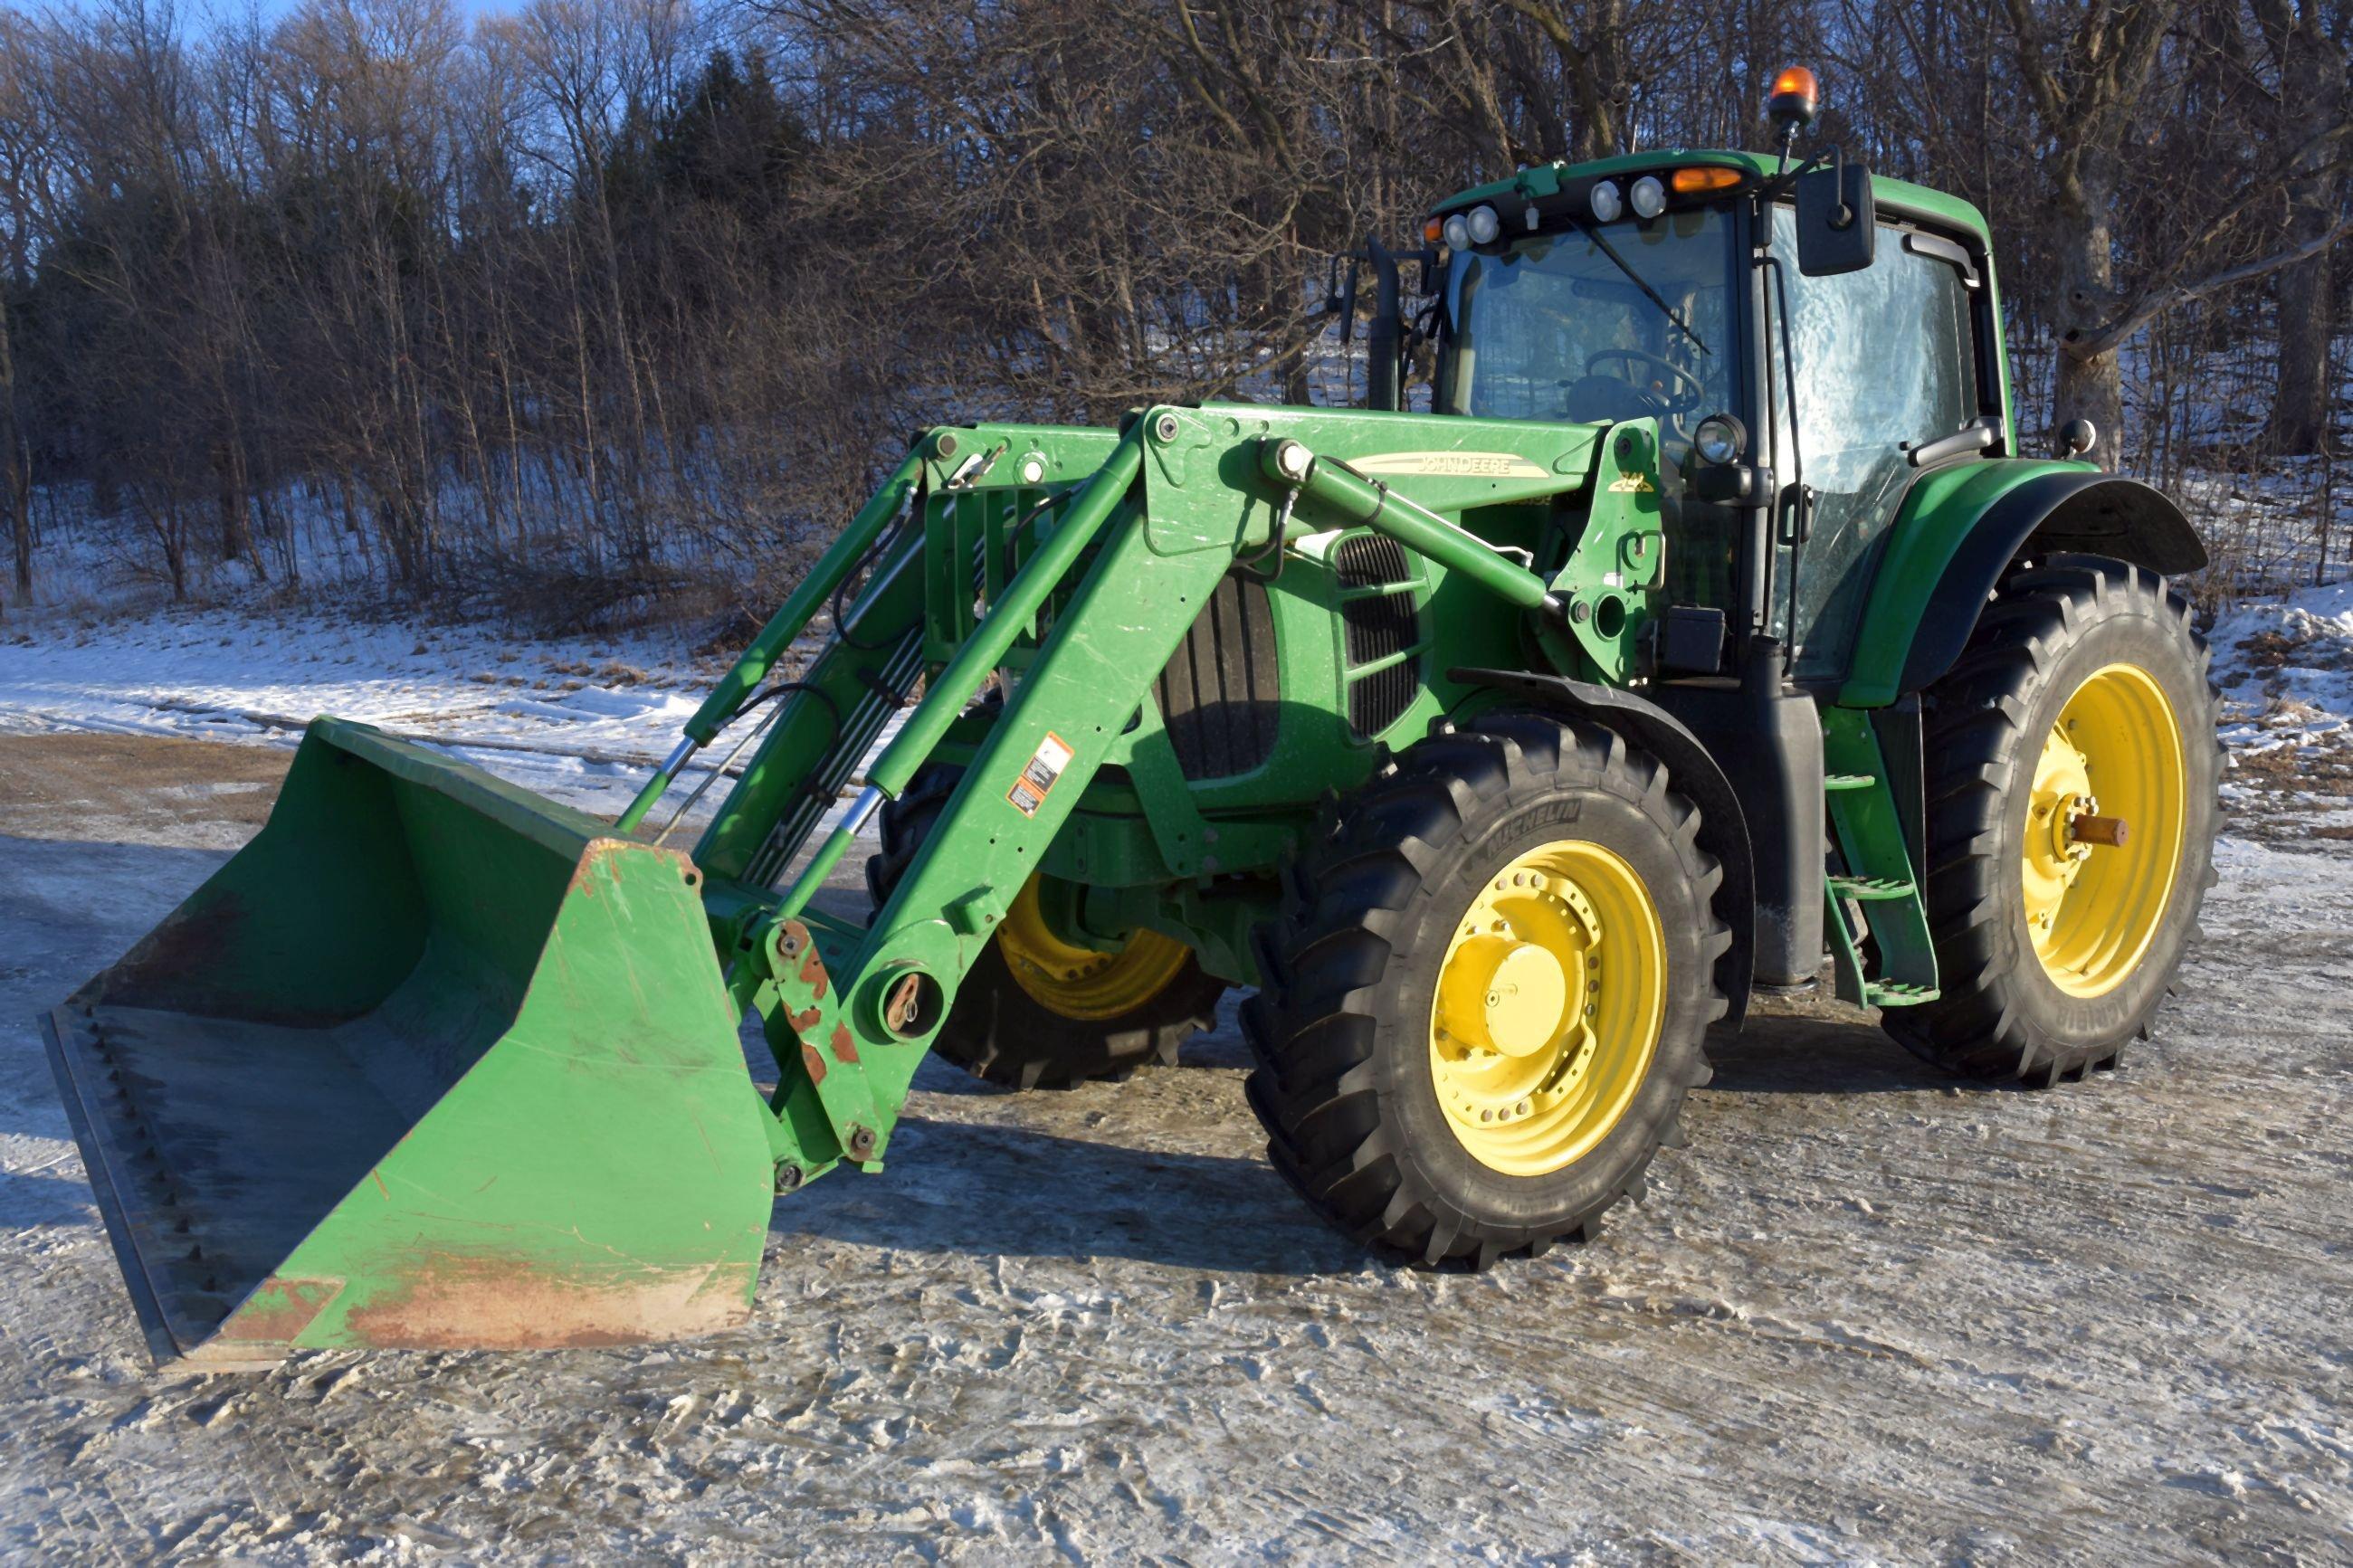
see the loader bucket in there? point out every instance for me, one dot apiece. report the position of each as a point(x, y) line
point(430, 1063)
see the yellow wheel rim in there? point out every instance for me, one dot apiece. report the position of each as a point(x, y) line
point(1083, 981)
point(2113, 760)
point(1548, 1009)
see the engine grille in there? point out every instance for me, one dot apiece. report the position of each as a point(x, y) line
point(1377, 626)
point(1220, 695)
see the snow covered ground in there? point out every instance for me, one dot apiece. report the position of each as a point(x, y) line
point(2285, 667)
point(1869, 1315)
point(582, 721)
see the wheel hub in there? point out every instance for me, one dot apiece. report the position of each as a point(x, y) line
point(2105, 816)
point(2061, 792)
point(1548, 1006)
point(1508, 996)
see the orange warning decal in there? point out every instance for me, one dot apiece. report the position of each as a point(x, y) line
point(1038, 777)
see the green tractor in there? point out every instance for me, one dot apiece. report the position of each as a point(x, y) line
point(1710, 628)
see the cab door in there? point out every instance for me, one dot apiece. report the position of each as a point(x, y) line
point(1883, 361)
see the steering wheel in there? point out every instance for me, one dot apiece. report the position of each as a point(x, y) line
point(1688, 389)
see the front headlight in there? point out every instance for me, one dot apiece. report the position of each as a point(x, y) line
point(1719, 440)
point(1607, 202)
point(1458, 233)
point(1484, 226)
point(1649, 196)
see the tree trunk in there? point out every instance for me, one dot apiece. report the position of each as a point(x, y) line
point(15, 468)
point(2312, 100)
point(236, 515)
point(17, 483)
point(2307, 316)
point(2083, 244)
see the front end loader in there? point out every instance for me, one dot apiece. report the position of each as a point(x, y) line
point(1709, 630)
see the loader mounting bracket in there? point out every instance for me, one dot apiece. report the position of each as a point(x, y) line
point(807, 1028)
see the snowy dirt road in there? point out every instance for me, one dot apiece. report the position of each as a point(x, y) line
point(1867, 1315)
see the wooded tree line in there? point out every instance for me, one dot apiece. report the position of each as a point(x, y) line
point(569, 305)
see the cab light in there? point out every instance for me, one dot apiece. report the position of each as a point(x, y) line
point(1457, 232)
point(1607, 202)
point(1432, 230)
point(1648, 199)
point(1720, 438)
point(1484, 225)
point(1701, 179)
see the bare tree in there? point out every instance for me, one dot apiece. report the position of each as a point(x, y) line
point(2306, 40)
point(564, 307)
point(2098, 76)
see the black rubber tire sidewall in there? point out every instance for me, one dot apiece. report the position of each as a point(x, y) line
point(2080, 1025)
point(1560, 1198)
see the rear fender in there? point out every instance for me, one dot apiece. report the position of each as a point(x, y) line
point(1961, 528)
point(1693, 773)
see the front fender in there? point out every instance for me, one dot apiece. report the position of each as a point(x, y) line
point(1959, 530)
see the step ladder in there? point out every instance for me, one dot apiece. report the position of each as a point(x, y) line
point(1877, 894)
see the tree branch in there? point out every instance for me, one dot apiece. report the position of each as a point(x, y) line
point(2113, 335)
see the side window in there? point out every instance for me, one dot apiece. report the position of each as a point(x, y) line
point(1883, 357)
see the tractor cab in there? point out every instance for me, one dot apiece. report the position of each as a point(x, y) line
point(1806, 346)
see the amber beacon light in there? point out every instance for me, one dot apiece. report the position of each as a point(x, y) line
point(1795, 95)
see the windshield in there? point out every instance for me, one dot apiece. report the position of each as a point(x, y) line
point(1554, 328)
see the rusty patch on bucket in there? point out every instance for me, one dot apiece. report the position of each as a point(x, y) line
point(279, 1310)
point(813, 1062)
point(465, 1304)
point(845, 1048)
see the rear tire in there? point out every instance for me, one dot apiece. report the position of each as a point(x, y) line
point(2083, 675)
point(998, 1030)
point(1372, 1049)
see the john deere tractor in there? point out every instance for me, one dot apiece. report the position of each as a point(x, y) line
point(1709, 629)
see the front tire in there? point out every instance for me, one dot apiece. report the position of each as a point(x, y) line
point(1481, 1012)
point(2081, 702)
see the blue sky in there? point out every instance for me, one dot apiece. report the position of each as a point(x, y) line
point(272, 9)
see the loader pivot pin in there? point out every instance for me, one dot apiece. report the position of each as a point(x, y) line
point(912, 1005)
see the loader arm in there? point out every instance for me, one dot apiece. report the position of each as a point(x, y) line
point(849, 1014)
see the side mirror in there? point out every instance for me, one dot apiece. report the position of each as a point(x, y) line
point(1838, 226)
